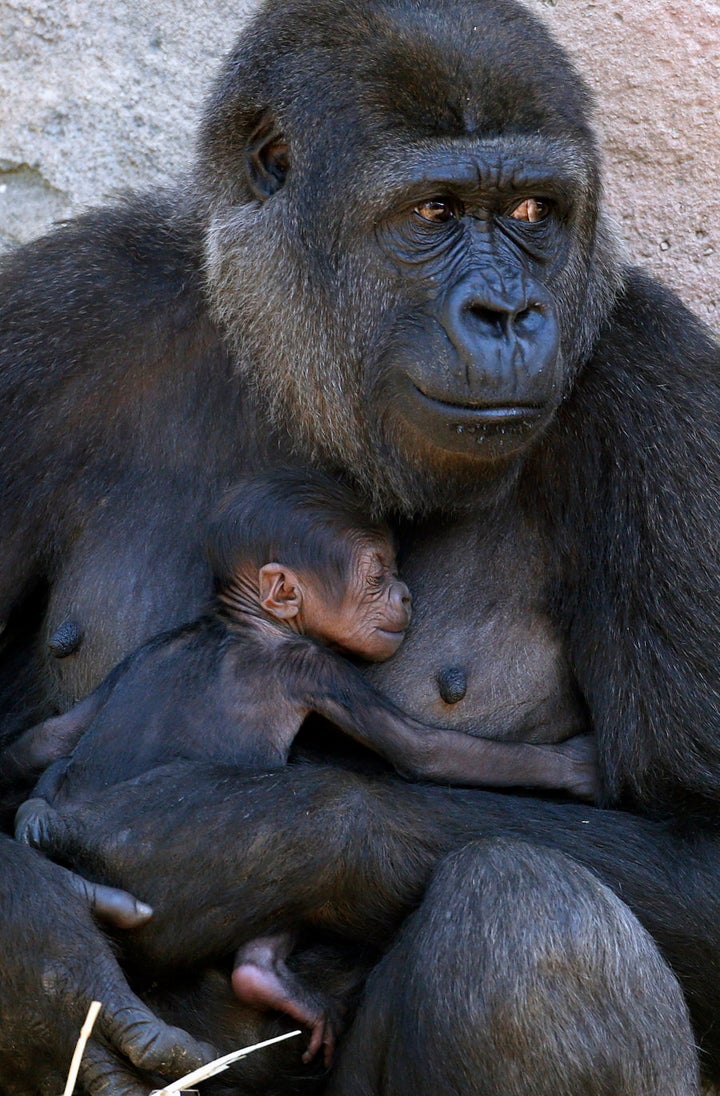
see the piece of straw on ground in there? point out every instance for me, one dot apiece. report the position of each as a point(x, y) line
point(85, 1032)
point(220, 1064)
point(204, 1073)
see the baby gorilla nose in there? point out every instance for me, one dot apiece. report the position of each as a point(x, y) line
point(400, 601)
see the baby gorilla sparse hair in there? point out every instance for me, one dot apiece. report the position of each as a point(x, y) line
point(308, 520)
point(299, 570)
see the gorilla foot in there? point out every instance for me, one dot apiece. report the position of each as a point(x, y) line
point(262, 979)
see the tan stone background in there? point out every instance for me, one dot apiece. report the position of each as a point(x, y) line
point(96, 96)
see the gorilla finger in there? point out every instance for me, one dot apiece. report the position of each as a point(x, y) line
point(111, 904)
point(52, 1083)
point(149, 1043)
point(103, 1074)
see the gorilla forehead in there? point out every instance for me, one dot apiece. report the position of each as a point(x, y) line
point(468, 68)
point(403, 169)
point(430, 67)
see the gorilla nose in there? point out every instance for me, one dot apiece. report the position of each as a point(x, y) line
point(503, 331)
point(491, 307)
point(497, 317)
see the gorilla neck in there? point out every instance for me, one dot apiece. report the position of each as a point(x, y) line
point(395, 477)
point(449, 489)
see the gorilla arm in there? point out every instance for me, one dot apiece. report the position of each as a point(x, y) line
point(30, 754)
point(634, 533)
point(224, 856)
point(334, 689)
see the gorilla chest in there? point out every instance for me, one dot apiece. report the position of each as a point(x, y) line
point(482, 654)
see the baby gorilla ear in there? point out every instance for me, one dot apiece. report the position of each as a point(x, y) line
point(279, 591)
point(267, 159)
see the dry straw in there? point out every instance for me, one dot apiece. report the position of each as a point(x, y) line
point(194, 1078)
point(85, 1032)
point(220, 1064)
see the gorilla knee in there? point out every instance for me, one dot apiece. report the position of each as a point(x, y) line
point(520, 973)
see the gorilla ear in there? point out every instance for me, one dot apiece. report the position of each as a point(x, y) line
point(267, 159)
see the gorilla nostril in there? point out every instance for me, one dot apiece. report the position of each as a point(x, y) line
point(490, 317)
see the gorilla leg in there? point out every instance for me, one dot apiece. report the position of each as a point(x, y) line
point(520, 973)
point(325, 849)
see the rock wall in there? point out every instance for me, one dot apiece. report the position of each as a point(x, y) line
point(654, 66)
point(99, 97)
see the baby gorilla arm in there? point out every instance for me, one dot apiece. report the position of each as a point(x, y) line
point(55, 738)
point(50, 740)
point(334, 689)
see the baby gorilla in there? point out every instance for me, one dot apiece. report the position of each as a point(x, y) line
point(300, 574)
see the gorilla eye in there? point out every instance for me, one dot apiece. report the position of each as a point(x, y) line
point(531, 210)
point(438, 211)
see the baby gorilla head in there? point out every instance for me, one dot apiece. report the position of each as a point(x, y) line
point(297, 546)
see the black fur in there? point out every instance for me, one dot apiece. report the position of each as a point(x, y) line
point(287, 304)
point(309, 522)
point(236, 684)
point(354, 855)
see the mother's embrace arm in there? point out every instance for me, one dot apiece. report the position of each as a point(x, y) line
point(54, 963)
point(222, 856)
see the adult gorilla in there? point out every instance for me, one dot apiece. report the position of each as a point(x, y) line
point(388, 262)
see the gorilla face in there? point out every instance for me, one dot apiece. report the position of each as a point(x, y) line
point(475, 365)
point(406, 248)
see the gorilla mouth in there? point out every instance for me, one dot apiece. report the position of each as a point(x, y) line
point(484, 417)
point(483, 430)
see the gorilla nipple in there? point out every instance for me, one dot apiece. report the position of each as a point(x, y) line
point(452, 684)
point(66, 640)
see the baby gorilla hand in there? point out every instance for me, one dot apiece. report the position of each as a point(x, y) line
point(38, 824)
point(578, 766)
point(262, 979)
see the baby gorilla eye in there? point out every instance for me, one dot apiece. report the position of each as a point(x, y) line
point(437, 211)
point(531, 210)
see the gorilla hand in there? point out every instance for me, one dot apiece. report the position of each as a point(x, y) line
point(55, 962)
point(109, 904)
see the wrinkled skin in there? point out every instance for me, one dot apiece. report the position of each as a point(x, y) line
point(45, 1003)
point(390, 262)
point(373, 616)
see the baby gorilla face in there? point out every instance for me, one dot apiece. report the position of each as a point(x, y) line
point(374, 613)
